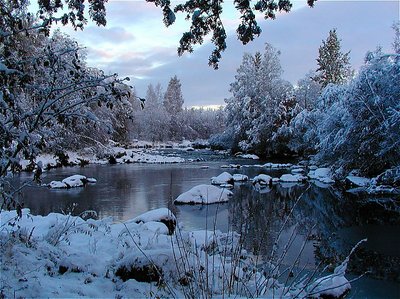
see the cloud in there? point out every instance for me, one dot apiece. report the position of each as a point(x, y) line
point(138, 44)
point(99, 35)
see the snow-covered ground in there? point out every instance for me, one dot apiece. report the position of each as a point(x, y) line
point(61, 256)
point(115, 154)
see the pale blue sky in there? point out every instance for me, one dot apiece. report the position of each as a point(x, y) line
point(135, 43)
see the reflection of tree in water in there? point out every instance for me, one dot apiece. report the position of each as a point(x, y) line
point(260, 216)
point(316, 217)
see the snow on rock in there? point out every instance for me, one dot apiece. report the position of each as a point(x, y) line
point(321, 174)
point(57, 185)
point(227, 186)
point(76, 180)
point(204, 194)
point(249, 156)
point(335, 285)
point(262, 179)
point(290, 178)
point(277, 165)
point(162, 215)
point(231, 166)
point(358, 181)
point(72, 181)
point(240, 177)
point(297, 170)
point(223, 178)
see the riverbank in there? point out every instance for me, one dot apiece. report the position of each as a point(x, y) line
point(148, 256)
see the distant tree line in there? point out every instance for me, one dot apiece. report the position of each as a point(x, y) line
point(164, 117)
point(351, 122)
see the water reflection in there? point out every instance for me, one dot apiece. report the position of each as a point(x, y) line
point(328, 222)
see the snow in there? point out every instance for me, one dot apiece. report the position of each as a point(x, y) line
point(131, 155)
point(72, 181)
point(240, 177)
point(57, 185)
point(297, 170)
point(223, 178)
point(277, 165)
point(65, 256)
point(76, 180)
point(359, 181)
point(155, 215)
point(249, 156)
point(263, 179)
point(204, 194)
point(292, 178)
point(321, 174)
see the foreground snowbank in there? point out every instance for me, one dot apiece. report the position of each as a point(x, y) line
point(64, 256)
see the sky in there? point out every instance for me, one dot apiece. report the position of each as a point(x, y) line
point(135, 43)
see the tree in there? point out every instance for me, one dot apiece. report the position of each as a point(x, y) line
point(333, 65)
point(256, 94)
point(307, 91)
point(45, 88)
point(173, 103)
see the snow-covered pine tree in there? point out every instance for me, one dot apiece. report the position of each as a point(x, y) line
point(173, 103)
point(252, 110)
point(333, 65)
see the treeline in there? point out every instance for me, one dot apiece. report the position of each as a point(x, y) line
point(164, 118)
point(348, 120)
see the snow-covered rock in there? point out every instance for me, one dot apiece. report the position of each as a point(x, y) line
point(262, 179)
point(76, 180)
point(72, 181)
point(227, 186)
point(297, 170)
point(223, 178)
point(249, 156)
point(204, 194)
point(290, 178)
point(321, 174)
point(57, 185)
point(277, 165)
point(237, 177)
point(162, 215)
point(358, 181)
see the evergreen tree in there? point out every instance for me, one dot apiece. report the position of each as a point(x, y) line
point(333, 65)
point(173, 102)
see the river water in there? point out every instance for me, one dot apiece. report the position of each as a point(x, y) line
point(326, 222)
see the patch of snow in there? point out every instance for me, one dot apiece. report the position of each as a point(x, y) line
point(155, 215)
point(57, 185)
point(297, 170)
point(240, 177)
point(321, 174)
point(76, 180)
point(223, 178)
point(249, 156)
point(292, 178)
point(358, 181)
point(277, 165)
point(263, 179)
point(227, 186)
point(204, 194)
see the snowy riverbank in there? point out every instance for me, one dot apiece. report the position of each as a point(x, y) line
point(65, 256)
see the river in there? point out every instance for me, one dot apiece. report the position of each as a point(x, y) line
point(327, 221)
